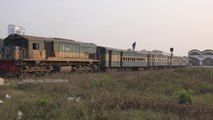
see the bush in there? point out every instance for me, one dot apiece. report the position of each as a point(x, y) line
point(100, 82)
point(41, 109)
point(184, 96)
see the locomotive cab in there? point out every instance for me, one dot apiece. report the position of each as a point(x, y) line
point(12, 53)
point(9, 57)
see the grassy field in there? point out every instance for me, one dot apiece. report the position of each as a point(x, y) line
point(146, 95)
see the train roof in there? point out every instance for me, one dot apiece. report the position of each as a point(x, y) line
point(71, 41)
point(27, 37)
point(115, 49)
point(36, 38)
point(124, 50)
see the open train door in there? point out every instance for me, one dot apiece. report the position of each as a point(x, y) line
point(110, 58)
point(49, 47)
point(153, 60)
point(121, 59)
point(148, 61)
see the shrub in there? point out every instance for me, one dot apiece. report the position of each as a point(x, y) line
point(184, 96)
point(41, 109)
point(100, 82)
point(204, 88)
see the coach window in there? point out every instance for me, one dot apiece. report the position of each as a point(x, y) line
point(35, 46)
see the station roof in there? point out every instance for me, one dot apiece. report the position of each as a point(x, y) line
point(194, 52)
point(207, 52)
point(198, 52)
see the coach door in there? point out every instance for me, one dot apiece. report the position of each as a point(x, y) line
point(49, 49)
point(153, 60)
point(110, 58)
point(168, 61)
point(121, 59)
point(148, 61)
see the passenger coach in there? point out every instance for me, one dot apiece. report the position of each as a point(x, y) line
point(117, 59)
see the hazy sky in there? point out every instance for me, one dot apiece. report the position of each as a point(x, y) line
point(153, 24)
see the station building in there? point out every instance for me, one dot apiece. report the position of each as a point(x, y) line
point(201, 58)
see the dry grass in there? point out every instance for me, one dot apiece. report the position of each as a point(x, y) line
point(108, 96)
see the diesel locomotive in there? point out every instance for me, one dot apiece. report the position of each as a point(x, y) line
point(22, 54)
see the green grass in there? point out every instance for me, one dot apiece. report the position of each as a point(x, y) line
point(144, 95)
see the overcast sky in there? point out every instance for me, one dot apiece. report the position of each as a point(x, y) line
point(152, 24)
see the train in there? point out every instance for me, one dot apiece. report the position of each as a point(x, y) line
point(33, 55)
